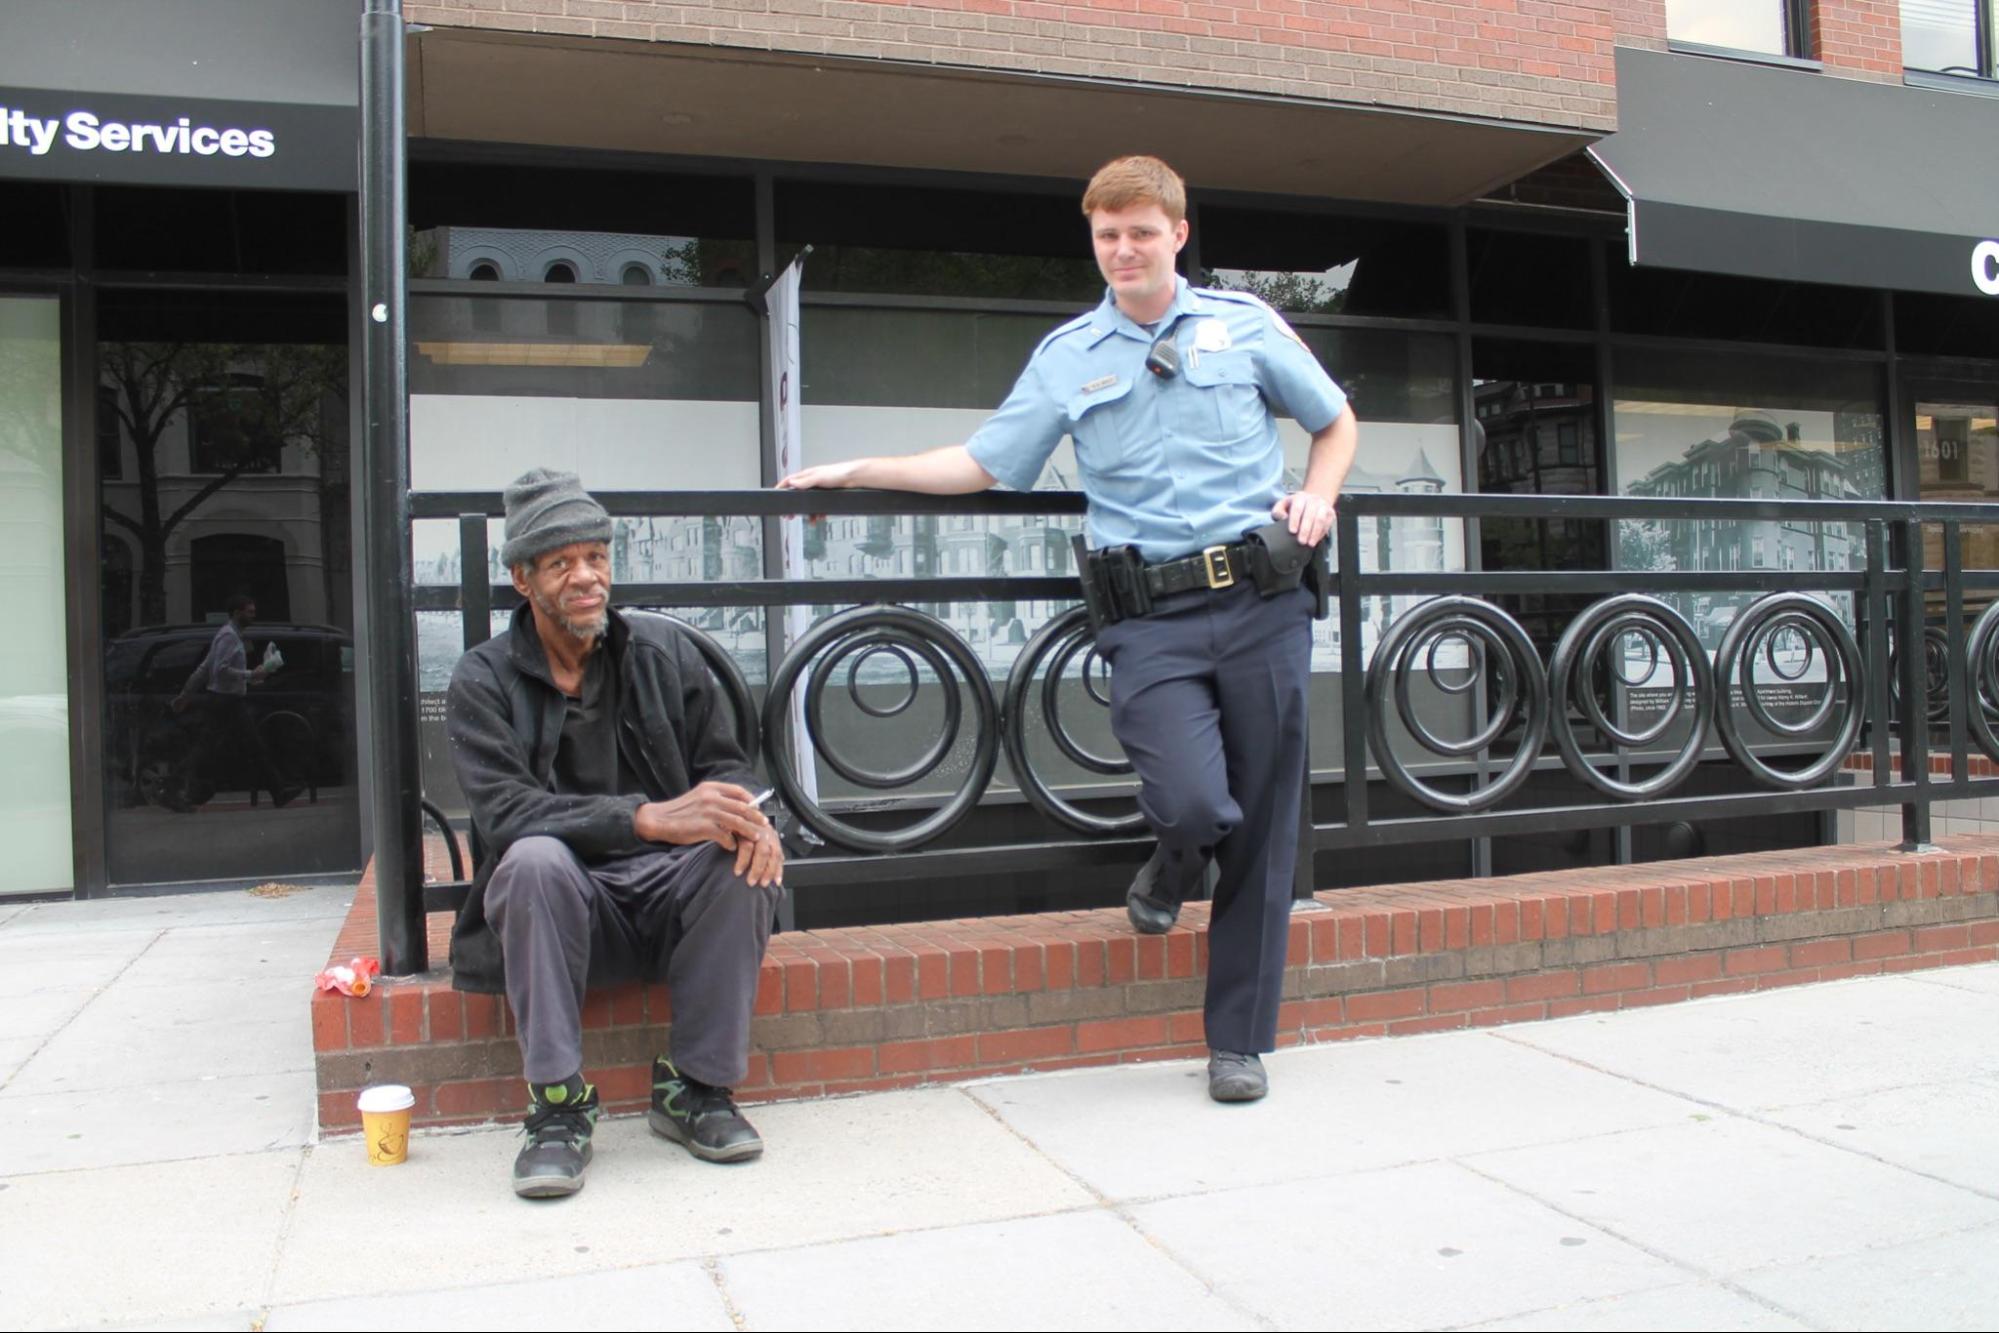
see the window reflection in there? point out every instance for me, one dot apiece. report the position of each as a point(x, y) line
point(1745, 428)
point(1534, 432)
point(1742, 25)
point(938, 242)
point(1316, 263)
point(226, 585)
point(1941, 36)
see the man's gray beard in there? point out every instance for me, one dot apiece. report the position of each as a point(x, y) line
point(584, 630)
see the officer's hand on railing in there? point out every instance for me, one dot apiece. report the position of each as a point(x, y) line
point(825, 476)
point(1309, 515)
point(718, 812)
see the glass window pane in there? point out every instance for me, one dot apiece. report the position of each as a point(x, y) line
point(1744, 25)
point(1700, 425)
point(34, 666)
point(1534, 433)
point(932, 242)
point(1677, 304)
point(639, 395)
point(1319, 264)
point(515, 225)
point(37, 225)
point(219, 231)
point(227, 547)
point(1940, 35)
point(1957, 458)
point(1526, 278)
point(1932, 324)
point(1693, 425)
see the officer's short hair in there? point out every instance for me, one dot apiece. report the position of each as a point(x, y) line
point(1130, 182)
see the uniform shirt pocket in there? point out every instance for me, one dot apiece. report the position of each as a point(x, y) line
point(1101, 443)
point(1219, 401)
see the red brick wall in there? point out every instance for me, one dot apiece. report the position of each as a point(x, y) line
point(1858, 37)
point(1640, 22)
point(1545, 61)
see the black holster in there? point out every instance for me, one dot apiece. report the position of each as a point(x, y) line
point(1113, 581)
point(1279, 562)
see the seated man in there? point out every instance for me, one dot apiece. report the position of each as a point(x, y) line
point(602, 771)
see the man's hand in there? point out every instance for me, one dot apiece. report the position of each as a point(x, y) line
point(181, 703)
point(1309, 515)
point(718, 812)
point(761, 859)
point(825, 477)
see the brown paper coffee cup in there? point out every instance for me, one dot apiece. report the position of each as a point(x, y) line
point(385, 1123)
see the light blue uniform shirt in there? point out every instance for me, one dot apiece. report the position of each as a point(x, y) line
point(1170, 466)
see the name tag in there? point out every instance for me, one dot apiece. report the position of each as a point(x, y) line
point(1102, 382)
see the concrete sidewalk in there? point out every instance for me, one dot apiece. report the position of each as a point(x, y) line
point(1824, 1157)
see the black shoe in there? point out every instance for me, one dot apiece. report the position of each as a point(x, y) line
point(557, 1152)
point(1236, 1077)
point(700, 1117)
point(281, 799)
point(1153, 900)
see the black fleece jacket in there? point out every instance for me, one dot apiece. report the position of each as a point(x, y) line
point(504, 719)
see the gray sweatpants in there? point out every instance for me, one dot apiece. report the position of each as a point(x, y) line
point(679, 914)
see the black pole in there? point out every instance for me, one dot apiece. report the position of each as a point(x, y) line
point(398, 821)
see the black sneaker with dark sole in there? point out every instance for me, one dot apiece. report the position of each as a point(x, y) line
point(700, 1117)
point(557, 1152)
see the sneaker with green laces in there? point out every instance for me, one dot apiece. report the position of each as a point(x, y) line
point(700, 1117)
point(560, 1119)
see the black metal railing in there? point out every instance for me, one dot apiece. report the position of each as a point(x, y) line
point(1451, 649)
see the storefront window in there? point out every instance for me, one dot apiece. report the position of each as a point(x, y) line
point(930, 242)
point(1534, 432)
point(34, 689)
point(1763, 26)
point(1528, 278)
point(1949, 36)
point(620, 228)
point(1673, 303)
point(1313, 263)
point(1928, 324)
point(227, 549)
point(37, 224)
point(1698, 425)
point(143, 229)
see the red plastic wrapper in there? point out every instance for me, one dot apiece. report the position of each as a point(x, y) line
point(355, 977)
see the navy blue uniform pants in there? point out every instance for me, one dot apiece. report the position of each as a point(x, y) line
point(1208, 698)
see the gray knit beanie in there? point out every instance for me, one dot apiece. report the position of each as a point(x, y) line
point(546, 510)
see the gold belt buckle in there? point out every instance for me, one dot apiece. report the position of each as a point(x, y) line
point(1216, 562)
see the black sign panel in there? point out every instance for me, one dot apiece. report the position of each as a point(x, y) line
point(1778, 173)
point(164, 140)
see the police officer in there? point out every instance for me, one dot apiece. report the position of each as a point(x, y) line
point(1171, 393)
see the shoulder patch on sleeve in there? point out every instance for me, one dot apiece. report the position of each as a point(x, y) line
point(1279, 323)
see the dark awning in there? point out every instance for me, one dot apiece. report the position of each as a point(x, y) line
point(1733, 167)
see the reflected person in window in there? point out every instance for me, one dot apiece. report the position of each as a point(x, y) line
point(606, 783)
point(1171, 394)
point(219, 688)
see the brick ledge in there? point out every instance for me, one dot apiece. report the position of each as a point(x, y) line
point(893, 1006)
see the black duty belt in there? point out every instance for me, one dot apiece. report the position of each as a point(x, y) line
point(1216, 567)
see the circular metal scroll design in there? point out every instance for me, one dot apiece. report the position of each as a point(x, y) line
point(1982, 653)
point(1055, 645)
point(1761, 630)
point(909, 635)
point(727, 674)
point(1936, 675)
point(1665, 635)
point(1500, 652)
